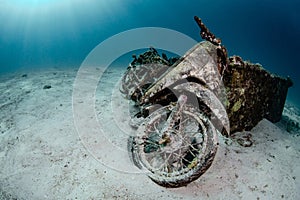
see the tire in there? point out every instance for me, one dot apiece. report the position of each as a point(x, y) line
point(174, 145)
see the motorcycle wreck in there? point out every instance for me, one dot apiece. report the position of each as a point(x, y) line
point(181, 105)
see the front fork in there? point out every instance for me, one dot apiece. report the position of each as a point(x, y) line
point(173, 118)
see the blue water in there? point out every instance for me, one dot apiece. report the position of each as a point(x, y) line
point(60, 33)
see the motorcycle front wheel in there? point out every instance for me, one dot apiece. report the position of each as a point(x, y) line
point(175, 145)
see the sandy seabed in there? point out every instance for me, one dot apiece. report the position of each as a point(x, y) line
point(43, 154)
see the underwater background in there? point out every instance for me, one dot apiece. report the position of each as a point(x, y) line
point(36, 34)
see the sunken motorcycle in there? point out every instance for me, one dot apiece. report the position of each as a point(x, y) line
point(178, 111)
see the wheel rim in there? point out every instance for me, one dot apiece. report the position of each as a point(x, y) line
point(174, 154)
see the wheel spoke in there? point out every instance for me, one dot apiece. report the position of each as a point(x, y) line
point(172, 146)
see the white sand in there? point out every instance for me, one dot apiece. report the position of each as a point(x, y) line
point(43, 157)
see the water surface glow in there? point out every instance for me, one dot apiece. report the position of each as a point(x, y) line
point(58, 33)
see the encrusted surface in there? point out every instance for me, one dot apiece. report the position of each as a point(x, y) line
point(253, 94)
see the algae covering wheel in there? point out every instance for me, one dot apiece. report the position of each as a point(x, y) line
point(176, 144)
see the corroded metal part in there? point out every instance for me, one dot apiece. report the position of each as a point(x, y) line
point(253, 93)
point(206, 34)
point(143, 71)
point(219, 114)
point(222, 59)
point(200, 63)
point(139, 77)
